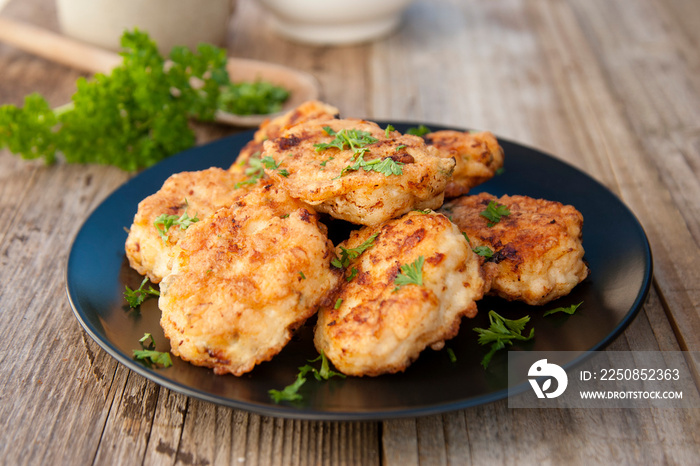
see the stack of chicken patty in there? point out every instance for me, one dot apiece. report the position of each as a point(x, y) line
point(243, 255)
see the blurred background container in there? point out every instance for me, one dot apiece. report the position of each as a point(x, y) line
point(334, 22)
point(168, 22)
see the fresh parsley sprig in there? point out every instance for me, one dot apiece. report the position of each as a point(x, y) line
point(136, 297)
point(131, 118)
point(290, 392)
point(167, 221)
point(494, 212)
point(346, 139)
point(502, 332)
point(386, 166)
point(149, 355)
point(356, 140)
point(411, 274)
point(346, 255)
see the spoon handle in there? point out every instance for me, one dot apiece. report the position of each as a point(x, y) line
point(57, 48)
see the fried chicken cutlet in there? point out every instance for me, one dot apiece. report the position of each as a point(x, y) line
point(478, 156)
point(537, 247)
point(273, 128)
point(356, 171)
point(187, 195)
point(408, 282)
point(244, 279)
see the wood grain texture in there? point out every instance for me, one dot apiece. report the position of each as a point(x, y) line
point(611, 87)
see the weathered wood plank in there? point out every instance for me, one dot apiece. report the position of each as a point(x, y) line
point(631, 160)
point(611, 87)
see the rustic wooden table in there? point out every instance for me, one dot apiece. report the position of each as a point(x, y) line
point(610, 86)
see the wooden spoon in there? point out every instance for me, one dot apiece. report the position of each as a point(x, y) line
point(61, 49)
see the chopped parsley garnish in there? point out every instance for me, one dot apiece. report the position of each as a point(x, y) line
point(388, 130)
point(483, 251)
point(167, 221)
point(269, 163)
point(351, 139)
point(136, 297)
point(356, 140)
point(346, 255)
point(567, 310)
point(338, 303)
point(353, 274)
point(493, 212)
point(148, 353)
point(451, 354)
point(421, 131)
point(500, 333)
point(290, 392)
point(252, 98)
point(411, 274)
point(256, 169)
point(386, 166)
point(301, 274)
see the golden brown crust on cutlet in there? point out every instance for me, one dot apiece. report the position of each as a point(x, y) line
point(199, 193)
point(537, 248)
point(377, 328)
point(244, 279)
point(273, 128)
point(478, 156)
point(322, 177)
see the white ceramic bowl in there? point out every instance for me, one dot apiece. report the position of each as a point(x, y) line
point(334, 22)
point(168, 22)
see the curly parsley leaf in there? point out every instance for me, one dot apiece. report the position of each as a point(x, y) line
point(567, 310)
point(502, 332)
point(346, 255)
point(131, 118)
point(136, 297)
point(411, 274)
point(252, 98)
point(494, 212)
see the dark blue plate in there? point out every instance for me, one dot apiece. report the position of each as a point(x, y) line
point(616, 248)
